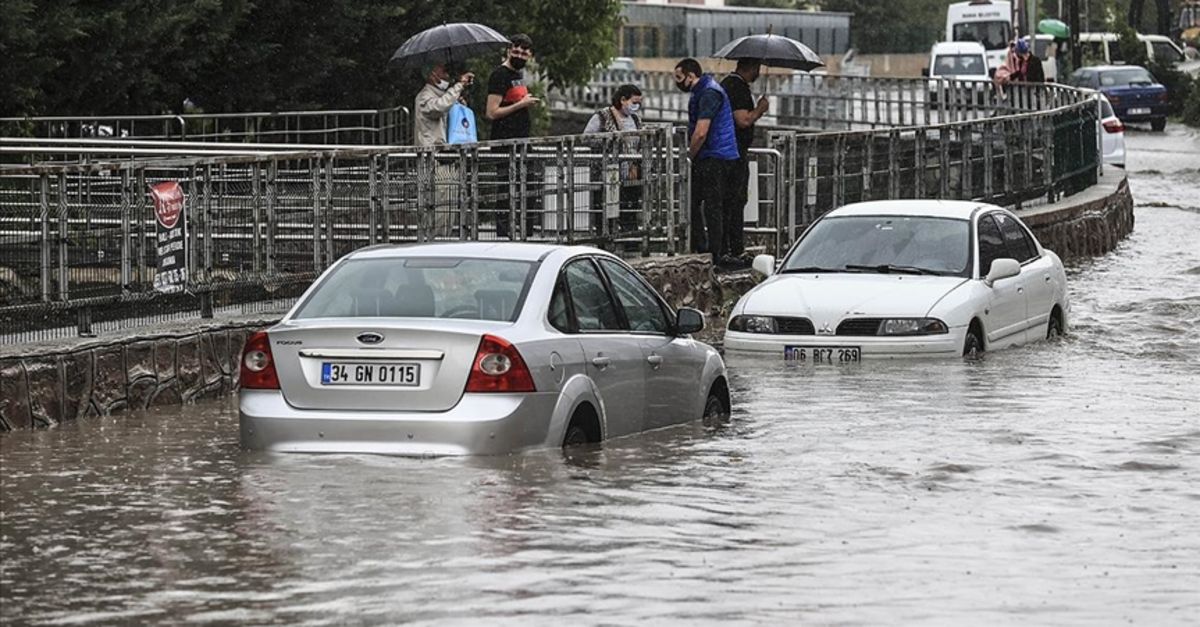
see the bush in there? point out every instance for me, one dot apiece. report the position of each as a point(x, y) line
point(1191, 108)
point(1181, 88)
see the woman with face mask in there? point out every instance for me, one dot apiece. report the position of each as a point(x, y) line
point(623, 114)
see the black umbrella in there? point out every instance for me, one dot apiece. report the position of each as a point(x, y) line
point(448, 43)
point(772, 50)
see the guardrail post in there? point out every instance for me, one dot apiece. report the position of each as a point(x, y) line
point(648, 169)
point(570, 187)
point(470, 227)
point(943, 162)
point(64, 278)
point(919, 140)
point(272, 194)
point(44, 202)
point(965, 133)
point(207, 221)
point(126, 218)
point(315, 205)
point(142, 252)
point(329, 165)
point(1046, 133)
point(372, 199)
point(668, 183)
point(385, 204)
point(893, 164)
point(988, 170)
point(523, 188)
point(256, 202)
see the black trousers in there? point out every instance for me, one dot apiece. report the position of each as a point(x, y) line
point(710, 178)
point(736, 193)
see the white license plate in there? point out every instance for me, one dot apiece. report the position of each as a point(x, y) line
point(345, 373)
point(1139, 111)
point(823, 354)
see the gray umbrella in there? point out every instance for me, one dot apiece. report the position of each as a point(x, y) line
point(448, 43)
point(772, 50)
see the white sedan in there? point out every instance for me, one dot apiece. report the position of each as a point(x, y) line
point(903, 278)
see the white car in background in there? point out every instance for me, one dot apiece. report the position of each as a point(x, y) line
point(958, 71)
point(1112, 134)
point(903, 278)
point(475, 348)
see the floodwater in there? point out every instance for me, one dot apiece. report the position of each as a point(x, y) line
point(1053, 484)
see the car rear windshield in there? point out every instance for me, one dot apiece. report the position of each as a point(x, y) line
point(918, 243)
point(959, 64)
point(1126, 77)
point(420, 287)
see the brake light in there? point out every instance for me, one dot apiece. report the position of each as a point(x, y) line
point(1163, 97)
point(1114, 126)
point(498, 367)
point(258, 366)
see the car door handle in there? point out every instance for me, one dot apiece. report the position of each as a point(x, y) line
point(601, 362)
point(655, 360)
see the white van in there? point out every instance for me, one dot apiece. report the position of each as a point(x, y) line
point(958, 61)
point(985, 21)
point(1105, 49)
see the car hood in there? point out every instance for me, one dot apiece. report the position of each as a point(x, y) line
point(828, 298)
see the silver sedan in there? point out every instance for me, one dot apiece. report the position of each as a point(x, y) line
point(475, 348)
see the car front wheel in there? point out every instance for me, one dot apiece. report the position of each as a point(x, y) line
point(973, 345)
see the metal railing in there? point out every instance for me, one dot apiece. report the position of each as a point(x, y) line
point(77, 228)
point(379, 127)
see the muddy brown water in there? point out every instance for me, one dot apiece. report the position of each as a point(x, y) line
point(1052, 484)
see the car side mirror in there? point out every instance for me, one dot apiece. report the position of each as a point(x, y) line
point(688, 320)
point(1002, 269)
point(925, 72)
point(764, 265)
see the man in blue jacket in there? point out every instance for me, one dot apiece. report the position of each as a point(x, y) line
point(712, 146)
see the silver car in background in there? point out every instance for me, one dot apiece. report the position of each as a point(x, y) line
point(475, 348)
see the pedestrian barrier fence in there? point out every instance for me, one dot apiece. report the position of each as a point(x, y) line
point(99, 234)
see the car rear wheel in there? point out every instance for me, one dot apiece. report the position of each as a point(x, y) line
point(1054, 329)
point(973, 345)
point(1158, 124)
point(576, 436)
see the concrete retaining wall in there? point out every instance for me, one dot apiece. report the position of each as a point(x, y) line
point(42, 385)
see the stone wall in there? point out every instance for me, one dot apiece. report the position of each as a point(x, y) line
point(44, 388)
point(41, 386)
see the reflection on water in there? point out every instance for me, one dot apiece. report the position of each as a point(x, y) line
point(1048, 484)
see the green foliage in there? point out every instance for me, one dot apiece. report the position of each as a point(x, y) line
point(893, 27)
point(1181, 88)
point(1191, 106)
point(1133, 51)
point(87, 57)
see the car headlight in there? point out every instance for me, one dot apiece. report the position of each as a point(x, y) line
point(912, 326)
point(753, 324)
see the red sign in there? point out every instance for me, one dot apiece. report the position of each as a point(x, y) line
point(168, 203)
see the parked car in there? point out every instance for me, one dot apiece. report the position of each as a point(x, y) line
point(1106, 48)
point(475, 348)
point(958, 68)
point(903, 278)
point(1133, 92)
point(1112, 134)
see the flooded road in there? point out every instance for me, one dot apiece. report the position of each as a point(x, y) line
point(1053, 484)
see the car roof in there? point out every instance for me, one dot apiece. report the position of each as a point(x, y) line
point(517, 251)
point(959, 47)
point(1110, 68)
point(957, 209)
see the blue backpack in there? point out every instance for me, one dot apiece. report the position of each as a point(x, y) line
point(460, 125)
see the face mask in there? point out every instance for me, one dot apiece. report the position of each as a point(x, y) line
point(632, 108)
point(443, 84)
point(682, 85)
point(517, 62)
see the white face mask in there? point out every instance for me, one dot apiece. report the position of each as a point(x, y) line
point(443, 84)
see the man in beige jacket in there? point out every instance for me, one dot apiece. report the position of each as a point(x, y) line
point(429, 129)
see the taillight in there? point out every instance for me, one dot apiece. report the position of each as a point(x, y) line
point(258, 366)
point(1114, 126)
point(1163, 97)
point(1114, 100)
point(498, 367)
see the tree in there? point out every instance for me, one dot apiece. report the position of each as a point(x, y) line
point(895, 26)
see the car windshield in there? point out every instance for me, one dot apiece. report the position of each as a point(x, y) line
point(1125, 77)
point(993, 35)
point(906, 244)
point(420, 287)
point(959, 64)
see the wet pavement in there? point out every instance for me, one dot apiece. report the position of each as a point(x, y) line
point(1053, 484)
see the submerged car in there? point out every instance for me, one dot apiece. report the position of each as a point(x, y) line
point(903, 278)
point(475, 348)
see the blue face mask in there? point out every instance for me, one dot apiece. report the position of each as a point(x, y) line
point(632, 108)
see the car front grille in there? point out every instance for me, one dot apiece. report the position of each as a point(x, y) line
point(859, 326)
point(794, 326)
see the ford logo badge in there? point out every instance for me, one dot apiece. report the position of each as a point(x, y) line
point(370, 338)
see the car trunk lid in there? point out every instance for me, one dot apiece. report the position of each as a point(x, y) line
point(331, 364)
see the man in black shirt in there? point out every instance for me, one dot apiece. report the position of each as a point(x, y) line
point(745, 115)
point(508, 104)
